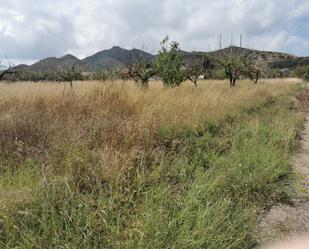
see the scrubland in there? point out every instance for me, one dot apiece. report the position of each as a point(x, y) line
point(108, 165)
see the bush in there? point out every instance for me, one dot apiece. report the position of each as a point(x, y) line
point(302, 72)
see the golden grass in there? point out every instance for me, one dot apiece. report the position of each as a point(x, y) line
point(116, 121)
point(183, 105)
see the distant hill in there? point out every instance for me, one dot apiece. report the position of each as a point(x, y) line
point(290, 63)
point(265, 58)
point(116, 58)
point(51, 64)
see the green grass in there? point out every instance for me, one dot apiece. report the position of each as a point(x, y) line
point(198, 188)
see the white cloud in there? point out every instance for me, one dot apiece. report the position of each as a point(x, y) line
point(34, 29)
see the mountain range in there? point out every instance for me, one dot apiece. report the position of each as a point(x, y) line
point(117, 58)
point(113, 58)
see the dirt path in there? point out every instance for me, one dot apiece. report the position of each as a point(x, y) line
point(285, 221)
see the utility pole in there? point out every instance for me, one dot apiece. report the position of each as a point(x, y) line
point(240, 40)
point(232, 41)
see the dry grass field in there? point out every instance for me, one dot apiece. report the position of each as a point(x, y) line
point(119, 119)
point(108, 165)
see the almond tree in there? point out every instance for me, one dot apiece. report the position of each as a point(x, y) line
point(236, 65)
point(251, 69)
point(196, 66)
point(169, 65)
point(69, 73)
point(141, 72)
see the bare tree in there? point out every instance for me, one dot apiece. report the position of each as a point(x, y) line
point(196, 66)
point(232, 65)
point(237, 64)
point(251, 69)
point(68, 73)
point(138, 68)
point(141, 72)
point(193, 70)
point(8, 71)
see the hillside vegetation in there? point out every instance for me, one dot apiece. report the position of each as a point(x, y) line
point(120, 58)
point(113, 166)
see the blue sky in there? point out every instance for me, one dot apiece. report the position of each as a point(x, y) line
point(34, 29)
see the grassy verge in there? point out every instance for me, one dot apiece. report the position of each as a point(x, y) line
point(187, 186)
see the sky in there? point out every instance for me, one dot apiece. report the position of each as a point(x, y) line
point(35, 29)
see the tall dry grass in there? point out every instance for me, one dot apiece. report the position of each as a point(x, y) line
point(186, 105)
point(115, 121)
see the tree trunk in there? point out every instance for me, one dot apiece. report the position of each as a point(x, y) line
point(231, 81)
point(195, 81)
point(234, 82)
point(257, 76)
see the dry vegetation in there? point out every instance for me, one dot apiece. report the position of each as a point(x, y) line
point(116, 121)
point(107, 148)
point(181, 106)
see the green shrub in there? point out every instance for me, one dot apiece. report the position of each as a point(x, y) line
point(302, 72)
point(168, 64)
